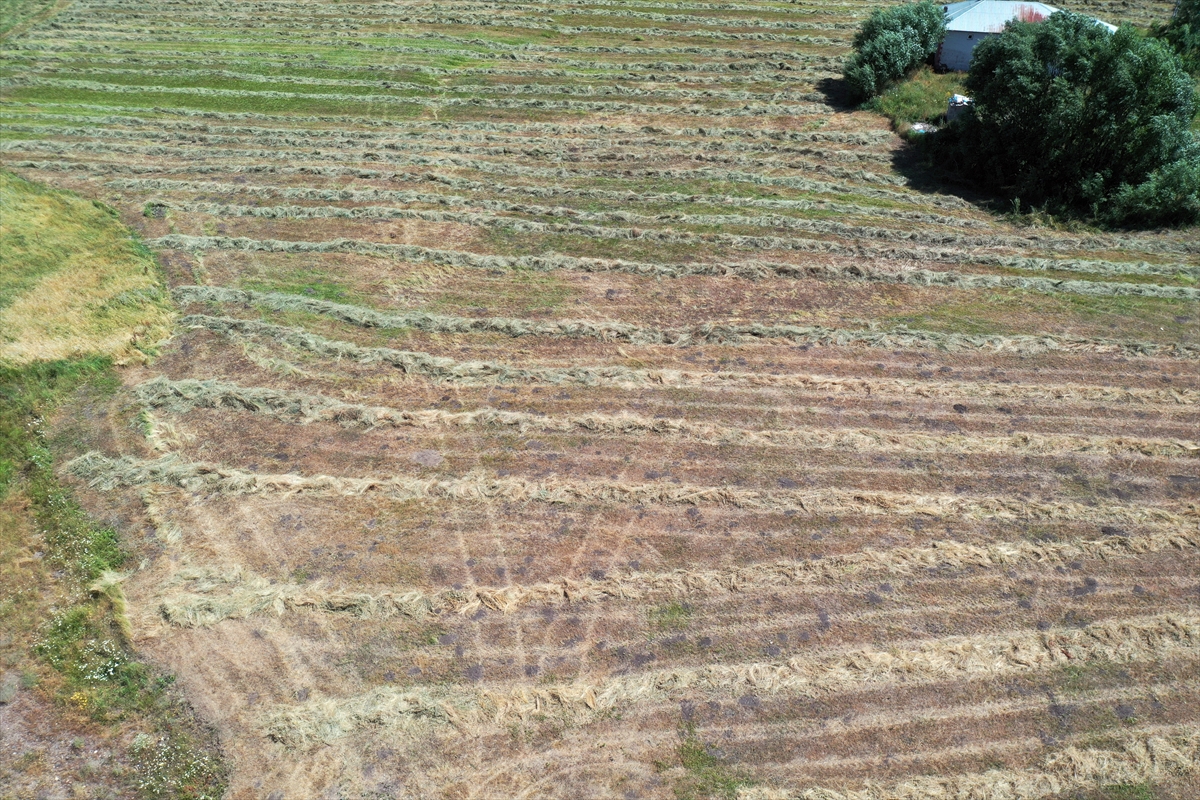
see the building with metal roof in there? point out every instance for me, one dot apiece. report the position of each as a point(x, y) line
point(969, 23)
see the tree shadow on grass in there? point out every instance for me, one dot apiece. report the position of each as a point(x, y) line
point(914, 160)
point(837, 94)
point(925, 170)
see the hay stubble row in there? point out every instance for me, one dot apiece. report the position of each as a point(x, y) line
point(557, 384)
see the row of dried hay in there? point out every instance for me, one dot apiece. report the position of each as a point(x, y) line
point(213, 596)
point(488, 372)
point(1166, 754)
point(184, 395)
point(751, 270)
point(106, 473)
point(981, 657)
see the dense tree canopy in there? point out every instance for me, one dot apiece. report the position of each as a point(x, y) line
point(1068, 115)
point(891, 43)
point(1183, 33)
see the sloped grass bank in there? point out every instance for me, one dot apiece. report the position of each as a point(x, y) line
point(75, 282)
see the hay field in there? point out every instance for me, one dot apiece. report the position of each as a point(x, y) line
point(578, 400)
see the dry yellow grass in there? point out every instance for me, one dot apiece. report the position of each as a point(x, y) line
point(74, 282)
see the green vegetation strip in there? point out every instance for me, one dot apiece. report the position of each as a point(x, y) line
point(83, 654)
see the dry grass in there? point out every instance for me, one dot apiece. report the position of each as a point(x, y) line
point(181, 396)
point(976, 658)
point(440, 368)
point(705, 334)
point(216, 595)
point(478, 486)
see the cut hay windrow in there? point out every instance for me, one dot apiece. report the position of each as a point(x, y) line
point(750, 270)
point(668, 235)
point(163, 31)
point(1131, 758)
point(716, 140)
point(497, 168)
point(579, 150)
point(486, 372)
point(87, 10)
point(775, 221)
point(565, 192)
point(439, 101)
point(727, 334)
point(640, 148)
point(106, 473)
point(236, 594)
point(952, 658)
point(348, 126)
point(383, 130)
point(862, 182)
point(494, 49)
point(184, 395)
point(602, 88)
point(703, 72)
point(234, 24)
point(493, 14)
point(895, 718)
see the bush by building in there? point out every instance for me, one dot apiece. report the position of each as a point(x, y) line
point(892, 43)
point(1068, 116)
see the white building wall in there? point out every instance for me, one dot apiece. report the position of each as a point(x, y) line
point(956, 49)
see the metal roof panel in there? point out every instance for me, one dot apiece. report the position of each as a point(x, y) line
point(990, 16)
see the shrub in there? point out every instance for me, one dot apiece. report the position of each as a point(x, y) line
point(1068, 116)
point(891, 44)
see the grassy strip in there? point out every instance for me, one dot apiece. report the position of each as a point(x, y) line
point(79, 656)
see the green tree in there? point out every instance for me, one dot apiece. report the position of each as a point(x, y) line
point(1183, 33)
point(1069, 116)
point(892, 43)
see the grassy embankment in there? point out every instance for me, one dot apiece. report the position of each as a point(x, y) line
point(77, 293)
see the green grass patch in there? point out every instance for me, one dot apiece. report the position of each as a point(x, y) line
point(920, 98)
point(1126, 791)
point(309, 284)
point(706, 775)
point(1015, 312)
point(671, 616)
point(74, 279)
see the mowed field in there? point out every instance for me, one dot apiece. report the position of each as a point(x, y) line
point(578, 400)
